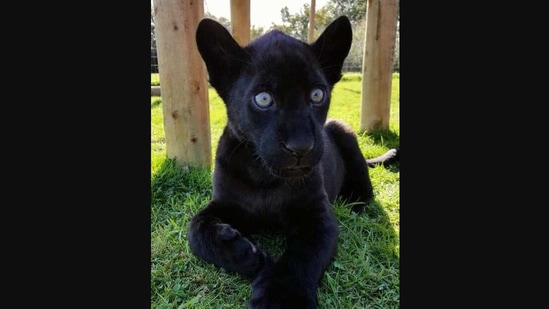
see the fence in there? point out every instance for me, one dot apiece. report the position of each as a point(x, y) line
point(347, 67)
point(154, 61)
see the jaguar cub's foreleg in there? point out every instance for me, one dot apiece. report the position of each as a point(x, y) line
point(292, 282)
point(212, 238)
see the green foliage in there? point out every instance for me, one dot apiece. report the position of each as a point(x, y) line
point(296, 24)
point(355, 10)
point(365, 272)
point(222, 20)
point(256, 32)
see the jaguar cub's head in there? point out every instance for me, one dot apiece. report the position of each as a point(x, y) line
point(276, 90)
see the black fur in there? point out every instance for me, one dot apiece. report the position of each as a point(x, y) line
point(279, 163)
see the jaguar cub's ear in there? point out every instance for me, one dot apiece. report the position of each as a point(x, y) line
point(332, 46)
point(223, 56)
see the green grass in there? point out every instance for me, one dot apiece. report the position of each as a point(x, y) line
point(155, 79)
point(365, 273)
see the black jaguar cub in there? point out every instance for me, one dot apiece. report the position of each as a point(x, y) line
point(279, 164)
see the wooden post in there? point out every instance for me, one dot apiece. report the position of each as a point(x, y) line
point(240, 21)
point(312, 22)
point(381, 18)
point(183, 82)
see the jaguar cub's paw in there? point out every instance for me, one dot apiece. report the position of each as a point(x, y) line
point(232, 237)
point(274, 293)
point(239, 253)
point(276, 300)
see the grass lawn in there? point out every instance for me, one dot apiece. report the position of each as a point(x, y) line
point(365, 272)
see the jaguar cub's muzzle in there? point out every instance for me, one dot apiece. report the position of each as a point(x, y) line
point(295, 158)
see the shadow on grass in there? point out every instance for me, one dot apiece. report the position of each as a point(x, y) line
point(386, 289)
point(386, 138)
point(176, 195)
point(368, 253)
point(171, 183)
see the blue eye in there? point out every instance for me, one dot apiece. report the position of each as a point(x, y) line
point(263, 100)
point(317, 95)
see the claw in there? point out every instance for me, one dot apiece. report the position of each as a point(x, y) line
point(226, 232)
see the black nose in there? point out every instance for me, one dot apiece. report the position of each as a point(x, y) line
point(298, 148)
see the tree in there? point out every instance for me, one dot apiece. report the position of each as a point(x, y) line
point(222, 20)
point(297, 24)
point(256, 32)
point(353, 62)
point(355, 10)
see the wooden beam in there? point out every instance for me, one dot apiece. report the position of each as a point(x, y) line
point(184, 85)
point(240, 21)
point(155, 91)
point(381, 18)
point(312, 21)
